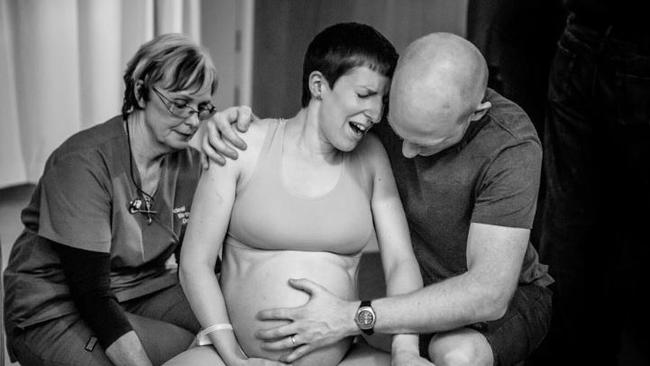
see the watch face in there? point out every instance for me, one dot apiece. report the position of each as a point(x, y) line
point(366, 318)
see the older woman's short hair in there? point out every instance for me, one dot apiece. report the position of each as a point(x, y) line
point(344, 46)
point(173, 59)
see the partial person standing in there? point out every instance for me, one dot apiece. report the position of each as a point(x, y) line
point(597, 162)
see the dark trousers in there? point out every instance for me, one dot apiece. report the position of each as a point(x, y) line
point(163, 321)
point(597, 164)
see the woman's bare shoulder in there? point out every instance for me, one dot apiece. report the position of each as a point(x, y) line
point(370, 148)
point(254, 138)
point(256, 135)
point(257, 131)
point(372, 154)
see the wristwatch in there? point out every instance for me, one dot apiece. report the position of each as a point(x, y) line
point(366, 317)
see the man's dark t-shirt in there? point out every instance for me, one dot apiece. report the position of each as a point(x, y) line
point(491, 176)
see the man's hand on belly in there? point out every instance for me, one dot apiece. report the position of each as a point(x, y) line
point(324, 320)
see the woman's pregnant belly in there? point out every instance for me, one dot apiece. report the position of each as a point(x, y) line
point(254, 280)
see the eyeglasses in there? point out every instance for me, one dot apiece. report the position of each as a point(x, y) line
point(183, 110)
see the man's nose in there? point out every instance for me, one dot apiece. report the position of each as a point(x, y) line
point(409, 150)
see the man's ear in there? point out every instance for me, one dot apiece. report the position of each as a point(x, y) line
point(480, 111)
point(317, 84)
point(138, 91)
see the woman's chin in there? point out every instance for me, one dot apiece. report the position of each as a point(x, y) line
point(348, 146)
point(178, 144)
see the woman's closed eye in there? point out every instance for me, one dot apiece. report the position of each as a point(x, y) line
point(181, 104)
point(366, 94)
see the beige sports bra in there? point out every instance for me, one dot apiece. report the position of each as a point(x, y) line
point(266, 216)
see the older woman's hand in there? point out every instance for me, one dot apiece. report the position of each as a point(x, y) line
point(218, 137)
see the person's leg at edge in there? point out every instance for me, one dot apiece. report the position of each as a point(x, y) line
point(168, 305)
point(63, 341)
point(463, 346)
point(504, 342)
point(362, 354)
point(161, 340)
point(69, 341)
point(163, 312)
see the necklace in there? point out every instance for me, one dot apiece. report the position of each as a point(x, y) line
point(136, 204)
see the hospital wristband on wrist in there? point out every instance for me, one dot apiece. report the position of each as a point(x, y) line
point(202, 338)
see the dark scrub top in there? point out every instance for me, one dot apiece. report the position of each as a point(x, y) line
point(82, 201)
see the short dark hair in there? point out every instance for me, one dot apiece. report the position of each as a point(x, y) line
point(173, 58)
point(344, 46)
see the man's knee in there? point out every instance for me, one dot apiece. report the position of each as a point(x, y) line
point(462, 347)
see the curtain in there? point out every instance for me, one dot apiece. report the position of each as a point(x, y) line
point(61, 64)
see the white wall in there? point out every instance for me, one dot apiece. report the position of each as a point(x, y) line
point(222, 23)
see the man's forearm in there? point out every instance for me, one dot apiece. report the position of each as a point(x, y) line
point(480, 294)
point(446, 305)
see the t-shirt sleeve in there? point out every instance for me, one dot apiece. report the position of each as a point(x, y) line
point(507, 192)
point(75, 206)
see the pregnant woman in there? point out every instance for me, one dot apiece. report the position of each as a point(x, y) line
point(302, 201)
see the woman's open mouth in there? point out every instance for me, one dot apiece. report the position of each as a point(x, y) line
point(359, 128)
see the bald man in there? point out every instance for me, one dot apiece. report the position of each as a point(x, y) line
point(467, 164)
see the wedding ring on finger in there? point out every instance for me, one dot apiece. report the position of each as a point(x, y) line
point(293, 339)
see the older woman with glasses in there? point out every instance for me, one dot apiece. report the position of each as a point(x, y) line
point(92, 279)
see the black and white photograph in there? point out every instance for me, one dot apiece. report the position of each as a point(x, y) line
point(324, 182)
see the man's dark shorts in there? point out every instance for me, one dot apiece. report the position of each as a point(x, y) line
point(519, 332)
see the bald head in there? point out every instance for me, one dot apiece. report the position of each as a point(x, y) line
point(442, 67)
point(437, 90)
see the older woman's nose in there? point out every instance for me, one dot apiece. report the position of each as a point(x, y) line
point(193, 120)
